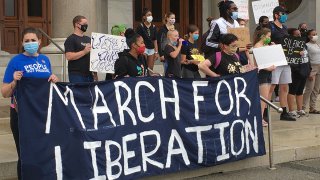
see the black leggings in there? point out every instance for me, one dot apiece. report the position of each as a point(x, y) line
point(15, 131)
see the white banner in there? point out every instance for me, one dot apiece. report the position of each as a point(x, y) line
point(264, 8)
point(104, 52)
point(243, 8)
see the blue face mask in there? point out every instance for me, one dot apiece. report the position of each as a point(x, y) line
point(283, 18)
point(31, 47)
point(174, 43)
point(195, 37)
point(234, 15)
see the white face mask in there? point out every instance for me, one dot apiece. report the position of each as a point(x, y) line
point(315, 38)
point(172, 21)
point(149, 19)
point(242, 26)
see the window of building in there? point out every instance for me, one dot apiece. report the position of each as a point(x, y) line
point(290, 5)
point(35, 8)
point(9, 9)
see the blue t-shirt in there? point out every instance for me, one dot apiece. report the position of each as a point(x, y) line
point(32, 67)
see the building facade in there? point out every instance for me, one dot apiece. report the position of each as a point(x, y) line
point(54, 17)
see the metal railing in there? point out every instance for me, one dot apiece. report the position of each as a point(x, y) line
point(279, 110)
point(64, 63)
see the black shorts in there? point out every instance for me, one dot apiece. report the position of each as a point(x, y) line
point(297, 85)
point(264, 77)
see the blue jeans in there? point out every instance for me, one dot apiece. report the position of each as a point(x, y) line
point(76, 78)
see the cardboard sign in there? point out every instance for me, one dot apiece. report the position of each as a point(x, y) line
point(292, 46)
point(269, 55)
point(243, 35)
point(264, 8)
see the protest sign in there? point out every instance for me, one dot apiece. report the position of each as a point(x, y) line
point(243, 8)
point(243, 35)
point(292, 47)
point(136, 127)
point(269, 55)
point(104, 51)
point(264, 8)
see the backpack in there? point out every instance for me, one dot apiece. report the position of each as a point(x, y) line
point(218, 59)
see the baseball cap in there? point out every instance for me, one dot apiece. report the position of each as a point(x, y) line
point(279, 9)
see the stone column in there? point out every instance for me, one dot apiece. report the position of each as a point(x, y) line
point(120, 12)
point(317, 16)
point(63, 13)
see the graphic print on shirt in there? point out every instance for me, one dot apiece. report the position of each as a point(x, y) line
point(37, 67)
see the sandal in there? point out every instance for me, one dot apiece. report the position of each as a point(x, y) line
point(264, 123)
point(314, 111)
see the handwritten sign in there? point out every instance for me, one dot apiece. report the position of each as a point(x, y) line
point(264, 8)
point(292, 46)
point(104, 52)
point(269, 55)
point(243, 8)
point(243, 35)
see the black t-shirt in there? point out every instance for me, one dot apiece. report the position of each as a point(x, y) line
point(76, 43)
point(277, 33)
point(174, 65)
point(148, 34)
point(129, 65)
point(189, 49)
point(229, 64)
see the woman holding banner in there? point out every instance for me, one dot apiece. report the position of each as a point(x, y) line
point(263, 38)
point(28, 64)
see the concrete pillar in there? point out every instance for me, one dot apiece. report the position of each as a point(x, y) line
point(63, 13)
point(120, 12)
point(317, 16)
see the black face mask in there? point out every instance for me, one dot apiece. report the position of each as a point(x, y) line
point(303, 30)
point(83, 27)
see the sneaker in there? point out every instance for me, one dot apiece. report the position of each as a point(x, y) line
point(301, 113)
point(294, 114)
point(287, 117)
point(276, 99)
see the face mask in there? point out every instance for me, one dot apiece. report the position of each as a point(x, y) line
point(283, 18)
point(84, 27)
point(141, 49)
point(149, 19)
point(174, 43)
point(315, 38)
point(234, 15)
point(267, 41)
point(31, 47)
point(172, 21)
point(232, 50)
point(242, 26)
point(195, 37)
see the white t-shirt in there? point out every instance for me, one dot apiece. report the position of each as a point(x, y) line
point(314, 53)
